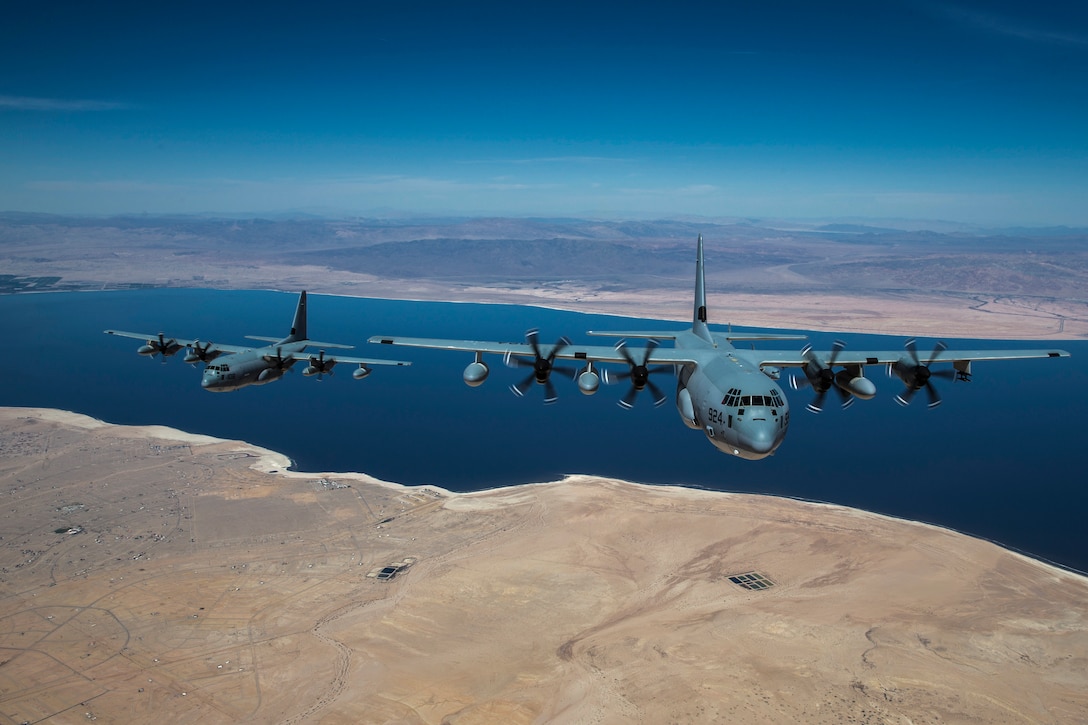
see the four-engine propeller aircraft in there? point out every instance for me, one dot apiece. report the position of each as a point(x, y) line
point(255, 365)
point(728, 393)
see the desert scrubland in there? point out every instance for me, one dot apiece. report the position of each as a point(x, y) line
point(956, 282)
point(148, 575)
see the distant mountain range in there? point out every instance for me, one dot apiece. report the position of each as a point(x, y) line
point(745, 254)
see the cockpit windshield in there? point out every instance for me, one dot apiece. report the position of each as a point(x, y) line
point(734, 398)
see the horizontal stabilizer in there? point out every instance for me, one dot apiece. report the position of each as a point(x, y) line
point(335, 359)
point(311, 343)
point(315, 343)
point(751, 337)
point(639, 334)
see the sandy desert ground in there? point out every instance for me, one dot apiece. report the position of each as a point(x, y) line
point(147, 575)
point(1010, 317)
point(902, 284)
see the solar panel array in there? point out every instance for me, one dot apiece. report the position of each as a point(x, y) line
point(752, 580)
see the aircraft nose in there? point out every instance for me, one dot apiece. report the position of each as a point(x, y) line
point(760, 439)
point(205, 382)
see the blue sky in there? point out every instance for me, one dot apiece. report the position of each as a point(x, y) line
point(965, 111)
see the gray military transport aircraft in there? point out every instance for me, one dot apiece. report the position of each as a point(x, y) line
point(255, 365)
point(728, 393)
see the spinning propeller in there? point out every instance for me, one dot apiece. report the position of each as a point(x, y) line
point(639, 374)
point(820, 376)
point(916, 375)
point(543, 366)
point(161, 346)
point(200, 354)
point(319, 366)
point(279, 365)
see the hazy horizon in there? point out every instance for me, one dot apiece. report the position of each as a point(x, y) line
point(407, 217)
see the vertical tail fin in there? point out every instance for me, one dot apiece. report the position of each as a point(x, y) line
point(298, 327)
point(698, 320)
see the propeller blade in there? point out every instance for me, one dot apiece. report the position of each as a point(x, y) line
point(934, 396)
point(611, 377)
point(836, 348)
point(819, 374)
point(905, 397)
point(920, 375)
point(651, 345)
point(659, 395)
point(569, 373)
point(517, 362)
point(846, 397)
point(550, 396)
point(816, 405)
point(520, 388)
point(638, 373)
point(531, 337)
point(559, 345)
point(542, 366)
point(621, 348)
point(911, 346)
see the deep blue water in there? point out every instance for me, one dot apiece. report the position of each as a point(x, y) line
point(1002, 458)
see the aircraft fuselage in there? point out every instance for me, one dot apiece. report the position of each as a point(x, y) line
point(252, 367)
point(739, 408)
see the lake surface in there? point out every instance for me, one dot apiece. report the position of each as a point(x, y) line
point(1002, 458)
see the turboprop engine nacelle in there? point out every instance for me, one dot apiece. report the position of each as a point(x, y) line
point(686, 409)
point(324, 366)
point(167, 348)
point(476, 373)
point(905, 370)
point(201, 353)
point(857, 385)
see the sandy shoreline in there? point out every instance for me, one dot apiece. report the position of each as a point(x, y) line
point(906, 315)
point(272, 462)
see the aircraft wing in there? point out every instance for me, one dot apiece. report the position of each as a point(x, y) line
point(148, 338)
point(794, 358)
point(308, 356)
point(671, 335)
point(154, 338)
point(589, 353)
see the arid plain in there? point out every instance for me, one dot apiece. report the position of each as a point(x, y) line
point(148, 575)
point(1009, 284)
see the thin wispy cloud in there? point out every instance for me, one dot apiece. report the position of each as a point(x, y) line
point(1010, 27)
point(404, 186)
point(67, 105)
point(104, 185)
point(549, 160)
